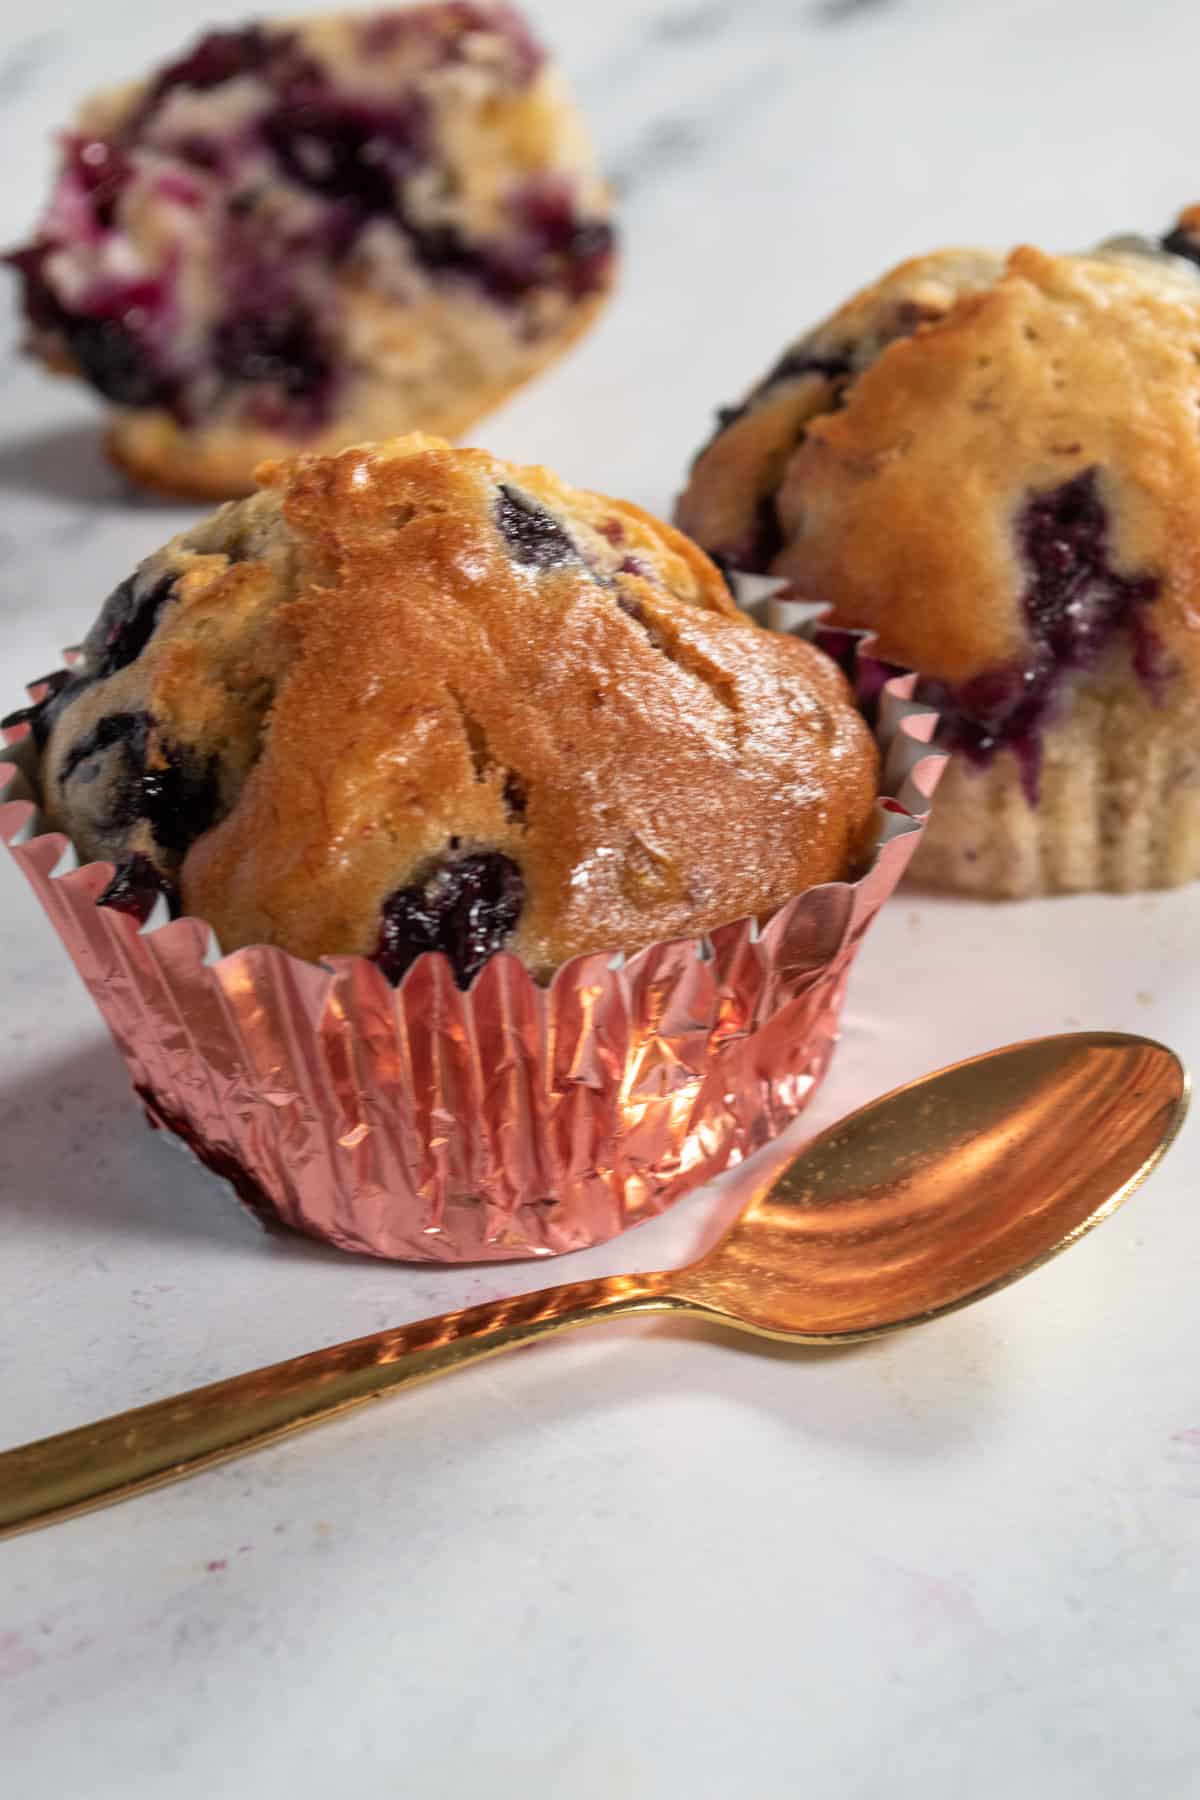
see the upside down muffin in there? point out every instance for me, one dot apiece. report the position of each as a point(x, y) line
point(995, 464)
point(413, 698)
point(304, 234)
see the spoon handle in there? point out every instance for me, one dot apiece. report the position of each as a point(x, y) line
point(117, 1457)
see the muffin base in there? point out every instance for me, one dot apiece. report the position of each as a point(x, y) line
point(217, 462)
point(1118, 807)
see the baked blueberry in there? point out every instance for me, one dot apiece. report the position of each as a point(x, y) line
point(1075, 604)
point(39, 716)
point(136, 886)
point(467, 907)
point(122, 781)
point(125, 626)
point(533, 536)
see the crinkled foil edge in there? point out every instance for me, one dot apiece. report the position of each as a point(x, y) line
point(424, 1123)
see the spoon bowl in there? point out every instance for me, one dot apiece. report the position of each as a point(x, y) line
point(924, 1200)
point(944, 1190)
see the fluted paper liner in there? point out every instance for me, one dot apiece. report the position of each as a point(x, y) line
point(512, 1120)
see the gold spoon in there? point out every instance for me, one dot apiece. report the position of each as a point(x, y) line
point(925, 1200)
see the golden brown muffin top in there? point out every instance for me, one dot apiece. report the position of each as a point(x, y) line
point(996, 462)
point(413, 684)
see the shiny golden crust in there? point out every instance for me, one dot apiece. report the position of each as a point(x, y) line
point(381, 669)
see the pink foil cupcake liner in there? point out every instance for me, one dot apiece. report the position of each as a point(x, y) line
point(513, 1120)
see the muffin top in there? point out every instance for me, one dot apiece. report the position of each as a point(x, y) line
point(411, 697)
point(992, 462)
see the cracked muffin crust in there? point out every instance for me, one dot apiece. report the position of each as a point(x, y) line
point(306, 234)
point(414, 698)
point(994, 464)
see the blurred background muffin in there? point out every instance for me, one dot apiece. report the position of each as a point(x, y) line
point(308, 233)
point(994, 463)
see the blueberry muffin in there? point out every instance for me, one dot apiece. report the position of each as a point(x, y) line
point(994, 463)
point(306, 234)
point(411, 698)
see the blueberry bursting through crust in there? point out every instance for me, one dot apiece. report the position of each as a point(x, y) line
point(465, 908)
point(124, 628)
point(145, 778)
point(1074, 603)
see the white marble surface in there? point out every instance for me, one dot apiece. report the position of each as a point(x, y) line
point(643, 1561)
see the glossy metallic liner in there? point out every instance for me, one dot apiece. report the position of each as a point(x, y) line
point(512, 1120)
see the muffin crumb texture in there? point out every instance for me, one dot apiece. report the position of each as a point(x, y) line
point(410, 698)
point(303, 234)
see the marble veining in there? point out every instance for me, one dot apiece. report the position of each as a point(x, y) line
point(24, 61)
point(641, 1563)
